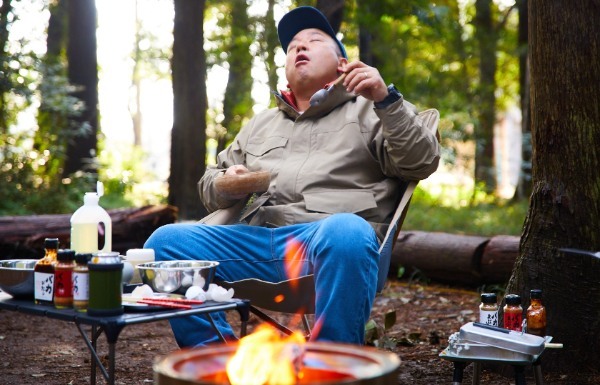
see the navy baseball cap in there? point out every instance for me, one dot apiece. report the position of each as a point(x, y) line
point(302, 18)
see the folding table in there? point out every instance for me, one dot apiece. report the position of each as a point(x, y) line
point(111, 326)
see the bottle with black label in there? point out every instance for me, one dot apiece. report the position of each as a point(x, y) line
point(43, 273)
point(488, 309)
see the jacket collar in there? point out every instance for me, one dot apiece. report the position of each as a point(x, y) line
point(335, 96)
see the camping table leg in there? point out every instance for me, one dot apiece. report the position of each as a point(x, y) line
point(537, 372)
point(457, 375)
point(476, 373)
point(519, 375)
point(95, 360)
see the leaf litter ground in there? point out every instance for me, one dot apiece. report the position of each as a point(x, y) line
point(411, 320)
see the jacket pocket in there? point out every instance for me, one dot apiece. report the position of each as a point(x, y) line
point(339, 201)
point(261, 148)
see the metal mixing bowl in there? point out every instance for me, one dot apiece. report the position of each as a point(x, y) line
point(16, 277)
point(176, 276)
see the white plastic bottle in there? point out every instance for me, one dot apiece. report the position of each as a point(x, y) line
point(85, 226)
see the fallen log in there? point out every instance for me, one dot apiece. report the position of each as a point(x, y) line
point(440, 256)
point(23, 236)
point(453, 258)
point(499, 257)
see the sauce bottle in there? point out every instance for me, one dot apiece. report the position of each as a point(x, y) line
point(63, 279)
point(488, 309)
point(81, 281)
point(43, 273)
point(536, 314)
point(513, 312)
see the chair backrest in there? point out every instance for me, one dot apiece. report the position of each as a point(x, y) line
point(297, 295)
point(431, 120)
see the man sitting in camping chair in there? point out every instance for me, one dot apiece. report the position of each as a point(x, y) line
point(338, 147)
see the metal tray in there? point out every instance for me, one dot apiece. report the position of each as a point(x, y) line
point(477, 351)
point(502, 338)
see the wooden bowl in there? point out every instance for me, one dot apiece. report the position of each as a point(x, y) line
point(241, 184)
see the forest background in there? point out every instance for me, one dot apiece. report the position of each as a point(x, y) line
point(55, 146)
point(476, 61)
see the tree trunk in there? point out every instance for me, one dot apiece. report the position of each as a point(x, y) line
point(83, 73)
point(484, 132)
point(5, 86)
point(564, 43)
point(333, 11)
point(52, 120)
point(237, 101)
point(135, 106)
point(366, 34)
point(523, 189)
point(269, 44)
point(188, 137)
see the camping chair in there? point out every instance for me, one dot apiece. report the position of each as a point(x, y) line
point(296, 296)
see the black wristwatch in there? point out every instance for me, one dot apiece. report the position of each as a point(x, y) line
point(393, 96)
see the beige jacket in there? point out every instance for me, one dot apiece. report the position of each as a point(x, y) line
point(343, 155)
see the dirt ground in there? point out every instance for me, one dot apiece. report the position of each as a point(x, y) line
point(35, 350)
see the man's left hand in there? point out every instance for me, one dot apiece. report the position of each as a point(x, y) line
point(365, 81)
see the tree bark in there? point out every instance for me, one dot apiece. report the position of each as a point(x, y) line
point(83, 73)
point(484, 131)
point(188, 137)
point(564, 211)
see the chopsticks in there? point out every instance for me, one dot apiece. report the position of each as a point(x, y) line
point(173, 303)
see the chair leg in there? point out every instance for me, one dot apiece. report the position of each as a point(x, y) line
point(306, 325)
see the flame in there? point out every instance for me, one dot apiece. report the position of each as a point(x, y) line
point(294, 255)
point(266, 358)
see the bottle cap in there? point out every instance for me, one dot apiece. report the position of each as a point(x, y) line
point(512, 299)
point(83, 258)
point(536, 294)
point(51, 243)
point(489, 298)
point(65, 255)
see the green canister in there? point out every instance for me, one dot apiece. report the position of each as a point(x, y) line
point(106, 286)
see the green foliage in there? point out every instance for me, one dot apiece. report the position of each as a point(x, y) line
point(24, 189)
point(125, 179)
point(456, 211)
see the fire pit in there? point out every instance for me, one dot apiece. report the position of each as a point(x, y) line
point(323, 363)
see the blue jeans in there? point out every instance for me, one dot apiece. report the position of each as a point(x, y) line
point(341, 251)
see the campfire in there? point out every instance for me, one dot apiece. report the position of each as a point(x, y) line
point(265, 358)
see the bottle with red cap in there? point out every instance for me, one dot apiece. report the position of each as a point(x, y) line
point(513, 312)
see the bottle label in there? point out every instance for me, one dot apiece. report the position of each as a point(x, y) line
point(81, 288)
point(44, 286)
point(513, 321)
point(63, 283)
point(488, 317)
